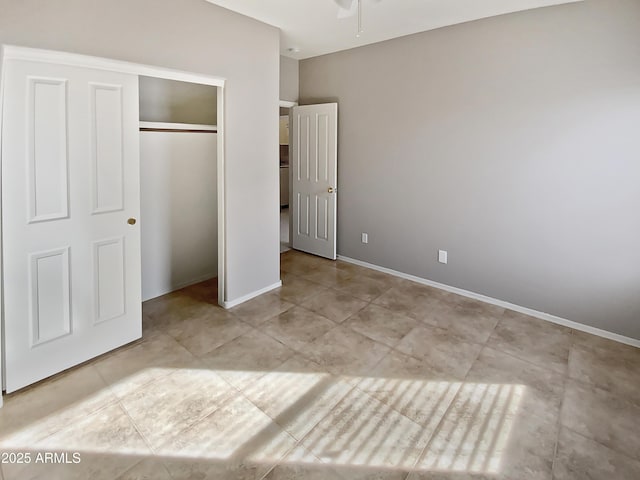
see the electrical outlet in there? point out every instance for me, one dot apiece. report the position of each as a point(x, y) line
point(365, 238)
point(442, 256)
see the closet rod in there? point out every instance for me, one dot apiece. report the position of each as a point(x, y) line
point(143, 129)
point(177, 127)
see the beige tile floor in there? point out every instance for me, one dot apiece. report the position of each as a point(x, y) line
point(343, 373)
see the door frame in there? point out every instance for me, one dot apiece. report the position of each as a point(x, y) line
point(12, 52)
point(289, 104)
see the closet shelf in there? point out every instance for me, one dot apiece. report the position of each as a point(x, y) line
point(177, 127)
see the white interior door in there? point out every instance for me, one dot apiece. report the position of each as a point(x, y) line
point(70, 183)
point(314, 162)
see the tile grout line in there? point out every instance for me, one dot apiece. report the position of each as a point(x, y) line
point(351, 389)
point(490, 347)
point(126, 410)
point(355, 387)
point(343, 323)
point(145, 384)
point(295, 351)
point(350, 315)
point(135, 426)
point(607, 392)
point(336, 324)
point(87, 414)
point(299, 441)
point(559, 426)
point(193, 425)
point(617, 452)
point(438, 426)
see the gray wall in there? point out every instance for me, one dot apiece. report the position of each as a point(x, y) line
point(196, 36)
point(288, 79)
point(511, 142)
point(177, 102)
point(178, 202)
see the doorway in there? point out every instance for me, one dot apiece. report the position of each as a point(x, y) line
point(178, 185)
point(285, 176)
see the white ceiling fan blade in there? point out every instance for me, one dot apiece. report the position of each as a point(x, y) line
point(344, 4)
point(346, 8)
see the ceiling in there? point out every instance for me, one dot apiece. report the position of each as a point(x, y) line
point(311, 27)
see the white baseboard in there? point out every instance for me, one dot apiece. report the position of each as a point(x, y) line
point(494, 301)
point(238, 301)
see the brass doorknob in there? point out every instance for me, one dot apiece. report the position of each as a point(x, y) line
point(131, 221)
point(330, 190)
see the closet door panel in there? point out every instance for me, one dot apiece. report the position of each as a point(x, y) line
point(70, 161)
point(106, 147)
point(47, 138)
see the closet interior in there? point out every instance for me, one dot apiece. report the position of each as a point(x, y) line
point(178, 184)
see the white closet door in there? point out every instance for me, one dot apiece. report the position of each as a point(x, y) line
point(70, 184)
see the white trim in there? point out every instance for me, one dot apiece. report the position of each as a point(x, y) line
point(288, 104)
point(222, 198)
point(251, 295)
point(2, 365)
point(178, 126)
point(12, 52)
point(501, 303)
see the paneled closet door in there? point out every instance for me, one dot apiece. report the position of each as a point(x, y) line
point(70, 200)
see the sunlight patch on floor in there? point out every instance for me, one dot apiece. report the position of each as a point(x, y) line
point(382, 422)
point(475, 432)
